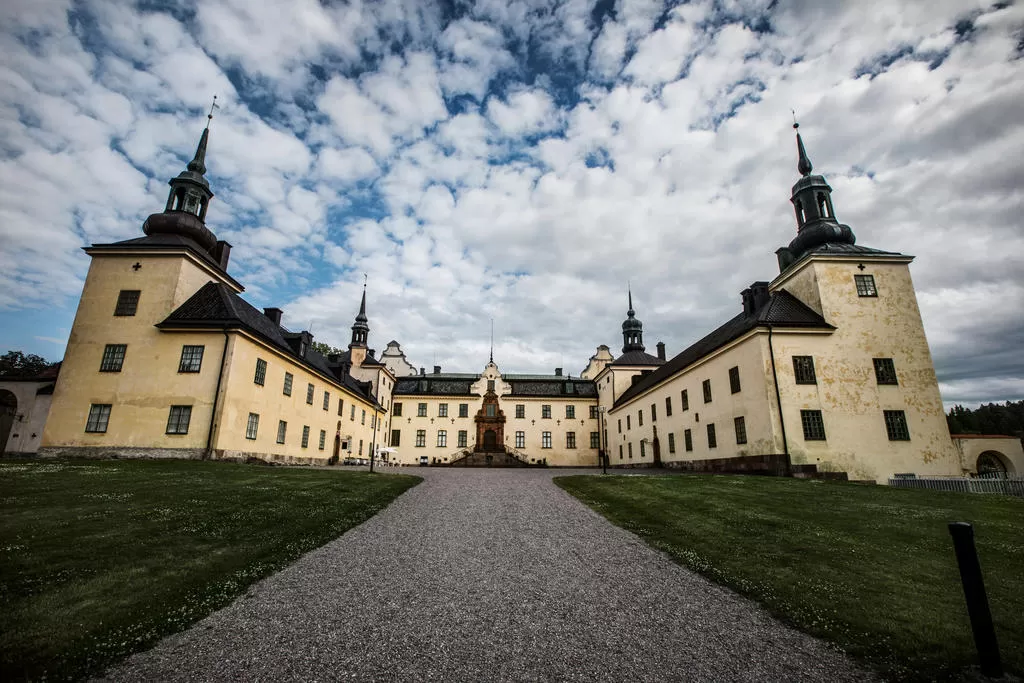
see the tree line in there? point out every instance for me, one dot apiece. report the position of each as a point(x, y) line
point(990, 418)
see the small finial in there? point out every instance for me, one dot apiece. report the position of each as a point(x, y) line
point(209, 117)
point(795, 124)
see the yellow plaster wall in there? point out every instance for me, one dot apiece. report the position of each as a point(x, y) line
point(1008, 449)
point(851, 401)
point(241, 396)
point(752, 402)
point(138, 414)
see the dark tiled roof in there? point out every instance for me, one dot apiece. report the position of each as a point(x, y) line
point(842, 248)
point(637, 358)
point(554, 386)
point(437, 385)
point(165, 241)
point(216, 305)
point(781, 310)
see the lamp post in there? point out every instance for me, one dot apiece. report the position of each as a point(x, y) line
point(604, 442)
point(373, 437)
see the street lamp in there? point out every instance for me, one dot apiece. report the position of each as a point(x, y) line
point(604, 442)
point(373, 438)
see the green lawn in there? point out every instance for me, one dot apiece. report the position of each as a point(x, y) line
point(867, 567)
point(99, 559)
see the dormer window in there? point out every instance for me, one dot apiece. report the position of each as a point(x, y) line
point(302, 349)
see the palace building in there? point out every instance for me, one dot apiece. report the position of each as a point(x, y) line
point(823, 371)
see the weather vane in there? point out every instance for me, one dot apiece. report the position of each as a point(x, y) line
point(795, 124)
point(209, 117)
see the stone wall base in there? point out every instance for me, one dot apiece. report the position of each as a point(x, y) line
point(771, 464)
point(128, 452)
point(267, 458)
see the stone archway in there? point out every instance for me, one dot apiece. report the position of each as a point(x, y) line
point(8, 411)
point(993, 465)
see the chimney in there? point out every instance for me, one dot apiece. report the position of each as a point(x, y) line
point(221, 254)
point(437, 369)
point(274, 314)
point(423, 371)
point(759, 290)
point(661, 350)
point(558, 372)
point(634, 379)
point(370, 352)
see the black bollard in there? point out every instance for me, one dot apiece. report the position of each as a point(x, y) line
point(977, 600)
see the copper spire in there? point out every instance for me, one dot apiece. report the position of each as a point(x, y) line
point(803, 163)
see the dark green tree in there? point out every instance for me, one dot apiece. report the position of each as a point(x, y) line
point(325, 349)
point(18, 364)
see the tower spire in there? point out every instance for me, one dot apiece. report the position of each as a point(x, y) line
point(198, 163)
point(361, 328)
point(803, 163)
point(632, 329)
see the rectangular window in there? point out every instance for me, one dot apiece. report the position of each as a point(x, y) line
point(687, 440)
point(421, 410)
point(463, 410)
point(191, 358)
point(261, 372)
point(327, 400)
point(442, 438)
point(545, 411)
point(712, 439)
point(520, 439)
point(178, 419)
point(885, 371)
point(341, 407)
point(643, 449)
point(654, 412)
point(309, 393)
point(734, 379)
point(803, 370)
point(814, 426)
point(352, 412)
point(396, 438)
point(640, 418)
point(707, 391)
point(288, 379)
point(629, 449)
point(545, 440)
point(373, 421)
point(520, 411)
point(620, 451)
point(360, 446)
point(99, 416)
point(305, 436)
point(362, 419)
point(421, 438)
point(628, 423)
point(595, 439)
point(463, 438)
point(442, 410)
point(113, 357)
point(570, 439)
point(252, 426)
point(490, 385)
point(282, 430)
point(396, 409)
point(570, 412)
point(594, 412)
point(896, 425)
point(671, 442)
point(323, 439)
point(490, 410)
point(741, 430)
point(620, 425)
point(865, 285)
point(127, 302)
point(684, 401)
point(668, 406)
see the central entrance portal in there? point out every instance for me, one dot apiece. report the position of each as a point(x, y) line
point(490, 440)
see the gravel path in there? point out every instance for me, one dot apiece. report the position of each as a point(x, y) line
point(488, 575)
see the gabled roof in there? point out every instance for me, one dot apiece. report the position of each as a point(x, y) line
point(637, 358)
point(781, 310)
point(216, 305)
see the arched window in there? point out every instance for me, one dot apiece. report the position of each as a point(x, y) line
point(822, 205)
point(799, 211)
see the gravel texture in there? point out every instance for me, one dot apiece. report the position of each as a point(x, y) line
point(488, 575)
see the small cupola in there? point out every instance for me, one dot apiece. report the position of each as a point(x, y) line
point(816, 222)
point(632, 329)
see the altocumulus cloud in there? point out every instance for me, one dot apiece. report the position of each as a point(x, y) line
point(522, 161)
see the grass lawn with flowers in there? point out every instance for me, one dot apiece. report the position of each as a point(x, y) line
point(100, 559)
point(869, 568)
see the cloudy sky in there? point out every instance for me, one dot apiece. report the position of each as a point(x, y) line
point(522, 160)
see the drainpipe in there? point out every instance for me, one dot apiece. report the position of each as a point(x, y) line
point(778, 401)
point(216, 395)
